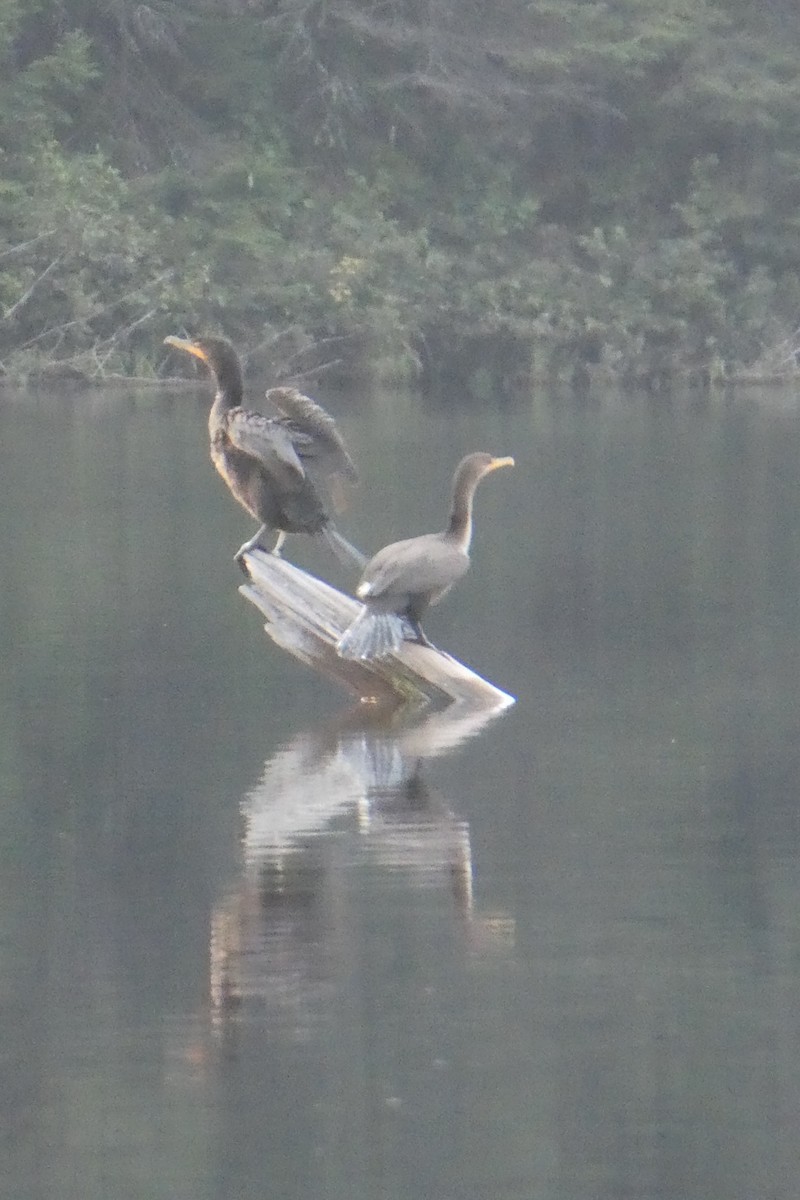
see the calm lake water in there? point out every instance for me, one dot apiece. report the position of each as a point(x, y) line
point(252, 950)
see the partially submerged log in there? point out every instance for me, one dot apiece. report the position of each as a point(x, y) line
point(306, 617)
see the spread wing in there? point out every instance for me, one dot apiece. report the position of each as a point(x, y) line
point(314, 433)
point(269, 442)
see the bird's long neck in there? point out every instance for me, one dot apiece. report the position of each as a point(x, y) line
point(230, 389)
point(459, 527)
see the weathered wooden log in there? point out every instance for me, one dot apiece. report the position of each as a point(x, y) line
point(306, 617)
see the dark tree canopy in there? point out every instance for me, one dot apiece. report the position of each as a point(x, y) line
point(527, 188)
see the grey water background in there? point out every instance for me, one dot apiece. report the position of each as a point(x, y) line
point(249, 948)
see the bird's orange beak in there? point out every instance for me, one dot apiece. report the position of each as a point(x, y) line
point(189, 347)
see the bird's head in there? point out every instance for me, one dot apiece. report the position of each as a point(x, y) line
point(475, 466)
point(219, 356)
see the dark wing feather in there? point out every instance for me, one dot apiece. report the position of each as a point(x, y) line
point(267, 441)
point(314, 432)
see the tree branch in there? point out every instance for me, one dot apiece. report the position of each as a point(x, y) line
point(18, 249)
point(25, 297)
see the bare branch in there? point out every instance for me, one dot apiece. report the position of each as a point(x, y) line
point(25, 297)
point(50, 330)
point(312, 373)
point(22, 246)
point(125, 331)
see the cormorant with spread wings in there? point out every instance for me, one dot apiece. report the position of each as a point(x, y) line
point(287, 470)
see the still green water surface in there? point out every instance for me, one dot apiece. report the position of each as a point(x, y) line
point(248, 950)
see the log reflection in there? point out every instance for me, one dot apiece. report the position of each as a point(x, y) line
point(351, 796)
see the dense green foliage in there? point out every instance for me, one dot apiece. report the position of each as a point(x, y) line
point(525, 189)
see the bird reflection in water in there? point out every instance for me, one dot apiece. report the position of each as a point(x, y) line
point(350, 794)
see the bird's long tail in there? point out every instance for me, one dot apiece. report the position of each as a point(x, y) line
point(372, 635)
point(345, 551)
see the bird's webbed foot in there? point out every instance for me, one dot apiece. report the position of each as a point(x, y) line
point(253, 543)
point(418, 634)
